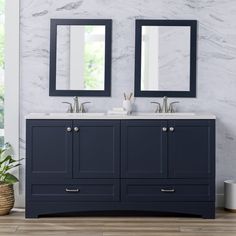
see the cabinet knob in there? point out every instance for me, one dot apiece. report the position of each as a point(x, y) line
point(68, 129)
point(172, 129)
point(76, 129)
point(164, 129)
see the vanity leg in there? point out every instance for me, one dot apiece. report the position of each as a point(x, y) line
point(209, 215)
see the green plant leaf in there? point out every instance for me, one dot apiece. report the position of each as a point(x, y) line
point(10, 179)
point(12, 166)
point(6, 151)
point(12, 160)
point(9, 159)
point(5, 160)
point(5, 169)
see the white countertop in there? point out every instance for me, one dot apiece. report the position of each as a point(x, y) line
point(104, 116)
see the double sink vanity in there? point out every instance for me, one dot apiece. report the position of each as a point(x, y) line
point(93, 162)
point(156, 162)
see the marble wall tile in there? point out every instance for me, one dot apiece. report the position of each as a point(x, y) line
point(216, 71)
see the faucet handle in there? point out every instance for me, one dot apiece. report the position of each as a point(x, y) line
point(82, 108)
point(171, 107)
point(158, 109)
point(69, 109)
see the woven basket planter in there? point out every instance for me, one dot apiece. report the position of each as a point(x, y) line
point(6, 198)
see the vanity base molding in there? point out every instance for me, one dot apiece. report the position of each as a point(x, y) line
point(205, 210)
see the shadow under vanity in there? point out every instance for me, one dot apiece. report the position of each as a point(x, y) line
point(141, 163)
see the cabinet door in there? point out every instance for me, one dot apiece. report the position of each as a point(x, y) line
point(48, 149)
point(144, 149)
point(191, 149)
point(96, 149)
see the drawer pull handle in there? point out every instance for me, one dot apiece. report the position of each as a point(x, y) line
point(167, 190)
point(72, 190)
point(172, 129)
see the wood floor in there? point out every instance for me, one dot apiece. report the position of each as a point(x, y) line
point(16, 224)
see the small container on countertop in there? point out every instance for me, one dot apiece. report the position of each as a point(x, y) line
point(127, 104)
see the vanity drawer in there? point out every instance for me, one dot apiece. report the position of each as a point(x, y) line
point(83, 190)
point(154, 190)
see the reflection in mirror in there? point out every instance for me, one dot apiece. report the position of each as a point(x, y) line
point(80, 58)
point(165, 58)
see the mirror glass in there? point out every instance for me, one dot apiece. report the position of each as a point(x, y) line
point(165, 58)
point(80, 60)
point(80, 57)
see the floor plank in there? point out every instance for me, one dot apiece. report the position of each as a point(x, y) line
point(16, 224)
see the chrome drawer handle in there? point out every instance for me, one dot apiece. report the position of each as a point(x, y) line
point(172, 129)
point(72, 190)
point(167, 190)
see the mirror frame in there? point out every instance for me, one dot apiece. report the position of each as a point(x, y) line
point(53, 55)
point(193, 54)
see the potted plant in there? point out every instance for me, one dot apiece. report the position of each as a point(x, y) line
point(7, 180)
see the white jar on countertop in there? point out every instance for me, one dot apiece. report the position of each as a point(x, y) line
point(127, 105)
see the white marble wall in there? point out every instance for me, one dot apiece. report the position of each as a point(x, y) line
point(216, 77)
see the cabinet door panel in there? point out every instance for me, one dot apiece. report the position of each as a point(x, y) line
point(191, 149)
point(96, 149)
point(49, 148)
point(144, 147)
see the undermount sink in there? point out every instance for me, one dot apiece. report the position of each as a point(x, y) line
point(165, 114)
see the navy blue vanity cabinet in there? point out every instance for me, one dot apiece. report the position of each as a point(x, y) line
point(169, 161)
point(144, 149)
point(161, 166)
point(71, 162)
point(96, 149)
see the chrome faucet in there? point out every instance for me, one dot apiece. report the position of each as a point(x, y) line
point(165, 108)
point(164, 105)
point(82, 108)
point(171, 107)
point(70, 109)
point(76, 105)
point(76, 108)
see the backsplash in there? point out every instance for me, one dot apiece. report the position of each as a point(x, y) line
point(216, 70)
